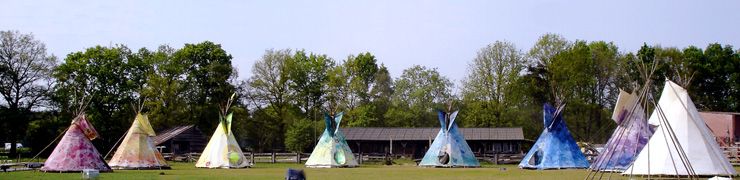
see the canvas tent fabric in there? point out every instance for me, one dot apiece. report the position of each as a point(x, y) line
point(137, 151)
point(556, 148)
point(222, 150)
point(631, 135)
point(677, 113)
point(75, 152)
point(331, 150)
point(449, 148)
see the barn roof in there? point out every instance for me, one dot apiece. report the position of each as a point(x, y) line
point(168, 134)
point(717, 112)
point(424, 134)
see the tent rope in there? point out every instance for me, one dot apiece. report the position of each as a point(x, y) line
point(114, 146)
point(47, 146)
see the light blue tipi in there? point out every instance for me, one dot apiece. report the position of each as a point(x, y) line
point(331, 150)
point(449, 149)
point(556, 148)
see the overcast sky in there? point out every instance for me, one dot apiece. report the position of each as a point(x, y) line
point(435, 34)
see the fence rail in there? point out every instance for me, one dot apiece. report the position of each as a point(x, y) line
point(732, 153)
point(300, 158)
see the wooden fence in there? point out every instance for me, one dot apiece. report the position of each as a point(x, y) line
point(301, 158)
point(732, 153)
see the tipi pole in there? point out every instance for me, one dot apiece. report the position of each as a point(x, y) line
point(47, 146)
point(694, 122)
point(114, 146)
point(630, 122)
point(676, 144)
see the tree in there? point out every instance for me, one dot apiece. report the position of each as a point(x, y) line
point(270, 91)
point(490, 85)
point(209, 77)
point(307, 74)
point(164, 90)
point(585, 75)
point(25, 70)
point(298, 138)
point(418, 91)
point(112, 76)
point(350, 89)
point(544, 52)
point(382, 93)
point(361, 70)
point(717, 77)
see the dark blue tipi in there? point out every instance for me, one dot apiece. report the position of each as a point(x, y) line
point(556, 148)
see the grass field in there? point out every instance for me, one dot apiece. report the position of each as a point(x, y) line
point(277, 171)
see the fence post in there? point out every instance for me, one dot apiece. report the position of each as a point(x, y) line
point(298, 158)
point(251, 157)
point(495, 158)
point(273, 157)
point(360, 158)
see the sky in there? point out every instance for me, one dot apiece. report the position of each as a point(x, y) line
point(436, 34)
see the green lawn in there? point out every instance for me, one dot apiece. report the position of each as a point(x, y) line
point(277, 171)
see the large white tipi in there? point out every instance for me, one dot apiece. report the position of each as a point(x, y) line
point(682, 144)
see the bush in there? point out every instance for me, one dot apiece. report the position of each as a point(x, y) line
point(298, 136)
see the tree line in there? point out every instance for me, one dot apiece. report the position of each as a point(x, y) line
point(279, 107)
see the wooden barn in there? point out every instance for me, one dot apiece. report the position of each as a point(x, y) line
point(180, 140)
point(414, 142)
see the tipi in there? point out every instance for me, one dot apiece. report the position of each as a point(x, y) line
point(222, 150)
point(331, 150)
point(137, 150)
point(682, 144)
point(75, 152)
point(449, 148)
point(631, 135)
point(556, 148)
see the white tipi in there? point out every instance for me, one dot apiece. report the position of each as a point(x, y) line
point(222, 150)
point(682, 144)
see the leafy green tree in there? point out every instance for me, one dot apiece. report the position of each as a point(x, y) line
point(676, 67)
point(269, 89)
point(361, 70)
point(25, 70)
point(209, 77)
point(543, 53)
point(371, 114)
point(307, 75)
point(382, 93)
point(585, 75)
point(489, 89)
point(298, 138)
point(165, 89)
point(717, 77)
point(418, 92)
point(111, 77)
point(350, 88)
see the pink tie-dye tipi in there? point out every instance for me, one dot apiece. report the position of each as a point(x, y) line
point(75, 152)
